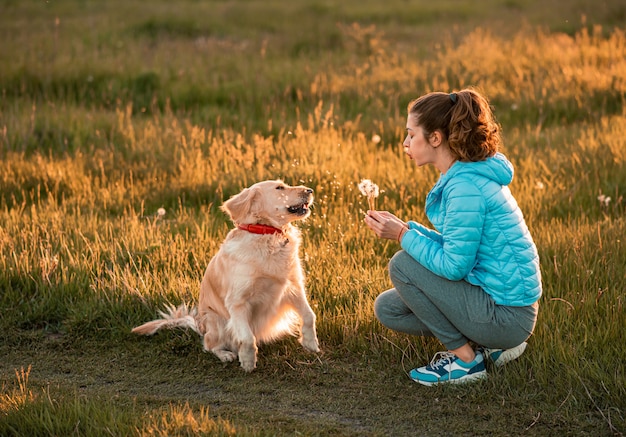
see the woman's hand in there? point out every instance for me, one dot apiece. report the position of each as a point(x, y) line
point(385, 225)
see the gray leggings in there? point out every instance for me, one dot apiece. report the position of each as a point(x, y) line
point(455, 312)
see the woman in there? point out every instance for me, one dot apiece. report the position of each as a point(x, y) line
point(475, 278)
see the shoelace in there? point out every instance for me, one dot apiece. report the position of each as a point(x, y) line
point(441, 359)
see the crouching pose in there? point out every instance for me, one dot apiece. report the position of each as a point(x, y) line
point(475, 278)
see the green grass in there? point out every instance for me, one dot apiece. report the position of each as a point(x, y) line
point(111, 110)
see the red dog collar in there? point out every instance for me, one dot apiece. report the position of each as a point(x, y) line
point(260, 229)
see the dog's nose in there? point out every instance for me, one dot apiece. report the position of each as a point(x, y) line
point(309, 191)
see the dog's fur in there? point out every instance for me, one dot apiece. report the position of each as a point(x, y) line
point(253, 288)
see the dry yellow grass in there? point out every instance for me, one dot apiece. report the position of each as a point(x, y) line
point(115, 159)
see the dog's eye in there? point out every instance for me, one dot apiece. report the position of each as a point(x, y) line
point(280, 187)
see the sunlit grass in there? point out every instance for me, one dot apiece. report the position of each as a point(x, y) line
point(183, 421)
point(90, 152)
point(16, 397)
point(23, 412)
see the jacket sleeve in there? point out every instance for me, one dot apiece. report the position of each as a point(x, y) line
point(427, 232)
point(454, 256)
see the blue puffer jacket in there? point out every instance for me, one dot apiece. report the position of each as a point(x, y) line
point(482, 236)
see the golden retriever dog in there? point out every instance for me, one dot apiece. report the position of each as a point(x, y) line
point(253, 288)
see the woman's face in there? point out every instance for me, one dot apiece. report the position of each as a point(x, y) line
point(416, 145)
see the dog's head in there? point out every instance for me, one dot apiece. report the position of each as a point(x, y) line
point(272, 203)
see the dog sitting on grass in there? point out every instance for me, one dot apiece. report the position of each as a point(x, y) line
point(253, 288)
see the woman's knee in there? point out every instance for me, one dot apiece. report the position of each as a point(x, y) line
point(392, 312)
point(409, 276)
point(399, 263)
point(382, 305)
point(389, 307)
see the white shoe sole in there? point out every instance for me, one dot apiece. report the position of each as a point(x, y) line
point(510, 354)
point(466, 379)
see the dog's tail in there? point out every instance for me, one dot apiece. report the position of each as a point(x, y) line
point(172, 317)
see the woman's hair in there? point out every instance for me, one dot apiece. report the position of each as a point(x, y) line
point(465, 120)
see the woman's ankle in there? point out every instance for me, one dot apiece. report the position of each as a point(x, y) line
point(465, 353)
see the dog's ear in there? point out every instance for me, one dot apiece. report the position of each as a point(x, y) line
point(240, 205)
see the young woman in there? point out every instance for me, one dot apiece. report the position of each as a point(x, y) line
point(475, 278)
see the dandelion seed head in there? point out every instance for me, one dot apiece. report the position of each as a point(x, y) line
point(376, 139)
point(604, 200)
point(161, 212)
point(368, 188)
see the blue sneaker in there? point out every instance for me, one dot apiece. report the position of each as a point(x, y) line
point(445, 367)
point(500, 357)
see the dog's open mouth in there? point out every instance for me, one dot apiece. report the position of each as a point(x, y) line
point(300, 209)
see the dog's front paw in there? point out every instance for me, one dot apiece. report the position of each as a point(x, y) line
point(247, 357)
point(224, 355)
point(247, 361)
point(248, 366)
point(310, 344)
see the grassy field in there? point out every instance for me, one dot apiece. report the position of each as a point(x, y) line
point(112, 110)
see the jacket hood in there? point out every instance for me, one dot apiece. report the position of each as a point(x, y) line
point(497, 168)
